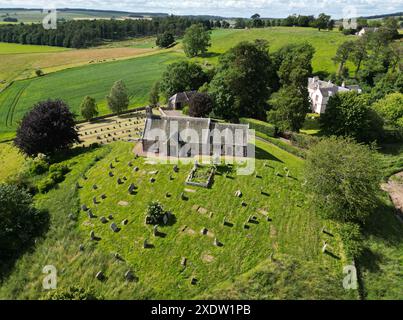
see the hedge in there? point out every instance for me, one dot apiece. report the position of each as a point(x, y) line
point(260, 126)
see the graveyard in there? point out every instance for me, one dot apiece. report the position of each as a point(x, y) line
point(209, 235)
point(127, 127)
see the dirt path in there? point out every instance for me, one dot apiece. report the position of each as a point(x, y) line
point(395, 189)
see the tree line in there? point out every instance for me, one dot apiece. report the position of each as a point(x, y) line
point(82, 34)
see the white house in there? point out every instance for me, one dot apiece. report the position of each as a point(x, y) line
point(320, 92)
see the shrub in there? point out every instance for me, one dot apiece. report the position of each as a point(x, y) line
point(46, 185)
point(20, 222)
point(303, 141)
point(39, 73)
point(260, 126)
point(350, 234)
point(154, 213)
point(72, 293)
point(58, 167)
point(38, 166)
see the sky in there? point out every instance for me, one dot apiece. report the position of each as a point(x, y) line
point(226, 8)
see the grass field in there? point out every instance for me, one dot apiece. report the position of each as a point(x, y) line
point(14, 48)
point(10, 161)
point(294, 232)
point(74, 84)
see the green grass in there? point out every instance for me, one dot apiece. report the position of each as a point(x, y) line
point(14, 48)
point(311, 125)
point(73, 85)
point(325, 43)
point(295, 230)
point(10, 161)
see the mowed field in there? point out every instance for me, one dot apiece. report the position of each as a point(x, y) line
point(73, 84)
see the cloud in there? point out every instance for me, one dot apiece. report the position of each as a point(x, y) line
point(267, 8)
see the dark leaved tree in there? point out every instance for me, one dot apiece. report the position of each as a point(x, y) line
point(200, 105)
point(47, 128)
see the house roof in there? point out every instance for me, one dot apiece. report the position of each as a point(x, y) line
point(182, 96)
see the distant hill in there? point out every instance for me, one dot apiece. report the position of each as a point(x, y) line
point(380, 16)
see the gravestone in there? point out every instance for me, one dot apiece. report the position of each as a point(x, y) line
point(81, 247)
point(103, 196)
point(92, 235)
point(193, 281)
point(94, 200)
point(111, 166)
point(155, 231)
point(216, 242)
point(100, 276)
point(111, 174)
point(324, 248)
point(84, 207)
point(152, 180)
point(110, 217)
point(103, 220)
point(145, 244)
point(114, 227)
point(130, 164)
point(243, 204)
point(125, 222)
point(204, 231)
point(183, 262)
point(90, 214)
point(129, 276)
point(238, 193)
point(135, 169)
point(78, 185)
point(119, 181)
point(132, 187)
point(176, 169)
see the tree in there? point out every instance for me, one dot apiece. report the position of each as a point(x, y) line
point(322, 22)
point(342, 54)
point(344, 178)
point(240, 23)
point(255, 16)
point(165, 40)
point(348, 114)
point(358, 53)
point(39, 72)
point(243, 81)
point(200, 105)
point(154, 213)
point(20, 222)
point(88, 108)
point(47, 128)
point(118, 98)
point(155, 94)
point(391, 108)
point(182, 76)
point(196, 40)
point(288, 109)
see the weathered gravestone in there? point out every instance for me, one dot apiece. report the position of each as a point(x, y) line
point(114, 227)
point(103, 220)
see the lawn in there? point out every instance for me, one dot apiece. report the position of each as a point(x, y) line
point(294, 231)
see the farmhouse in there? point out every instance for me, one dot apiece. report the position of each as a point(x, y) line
point(180, 100)
point(177, 136)
point(320, 92)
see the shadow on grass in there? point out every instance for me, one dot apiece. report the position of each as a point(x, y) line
point(264, 155)
point(9, 258)
point(63, 155)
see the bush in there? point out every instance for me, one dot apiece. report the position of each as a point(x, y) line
point(303, 141)
point(20, 222)
point(154, 213)
point(72, 293)
point(185, 110)
point(38, 166)
point(46, 185)
point(260, 126)
point(58, 167)
point(344, 178)
point(39, 73)
point(350, 234)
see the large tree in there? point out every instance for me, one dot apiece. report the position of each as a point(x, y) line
point(244, 81)
point(118, 98)
point(165, 40)
point(88, 108)
point(348, 114)
point(344, 178)
point(288, 109)
point(182, 76)
point(196, 40)
point(48, 127)
point(200, 105)
point(154, 97)
point(342, 54)
point(391, 108)
point(20, 222)
point(323, 21)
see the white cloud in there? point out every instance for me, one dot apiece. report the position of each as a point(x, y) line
point(267, 8)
